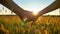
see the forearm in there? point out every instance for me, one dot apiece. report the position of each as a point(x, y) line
point(13, 7)
point(16, 9)
point(55, 5)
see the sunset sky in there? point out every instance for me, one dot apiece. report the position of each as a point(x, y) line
point(31, 5)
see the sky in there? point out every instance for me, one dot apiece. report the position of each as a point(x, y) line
point(33, 5)
point(30, 5)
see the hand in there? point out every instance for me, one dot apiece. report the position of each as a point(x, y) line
point(23, 14)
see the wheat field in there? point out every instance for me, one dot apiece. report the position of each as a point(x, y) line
point(12, 24)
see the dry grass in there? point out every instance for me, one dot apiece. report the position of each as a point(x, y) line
point(12, 24)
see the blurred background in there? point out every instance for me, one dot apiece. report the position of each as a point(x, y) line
point(48, 23)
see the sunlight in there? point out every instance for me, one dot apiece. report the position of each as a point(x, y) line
point(33, 5)
point(35, 12)
point(34, 9)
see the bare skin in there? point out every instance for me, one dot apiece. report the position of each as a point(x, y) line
point(55, 5)
point(16, 9)
point(26, 14)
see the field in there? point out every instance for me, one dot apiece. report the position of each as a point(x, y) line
point(12, 24)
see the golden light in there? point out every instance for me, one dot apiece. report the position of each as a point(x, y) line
point(35, 12)
point(34, 9)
